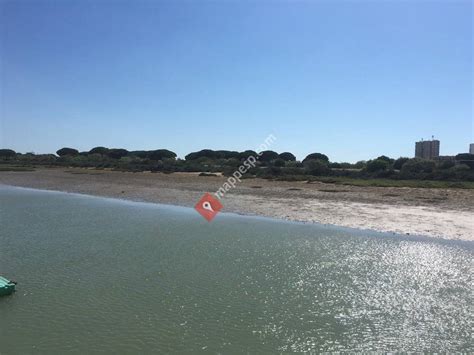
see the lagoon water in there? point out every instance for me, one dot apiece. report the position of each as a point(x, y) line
point(102, 275)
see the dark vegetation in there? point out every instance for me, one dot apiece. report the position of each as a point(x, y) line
point(381, 171)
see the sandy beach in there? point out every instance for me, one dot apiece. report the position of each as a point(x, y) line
point(441, 213)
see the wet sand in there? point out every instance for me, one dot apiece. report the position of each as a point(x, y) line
point(442, 213)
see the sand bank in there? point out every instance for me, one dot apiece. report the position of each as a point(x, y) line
point(442, 213)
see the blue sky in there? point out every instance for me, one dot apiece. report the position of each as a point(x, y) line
point(351, 79)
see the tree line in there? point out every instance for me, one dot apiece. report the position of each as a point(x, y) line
point(273, 165)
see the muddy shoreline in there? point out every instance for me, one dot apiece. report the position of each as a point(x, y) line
point(442, 213)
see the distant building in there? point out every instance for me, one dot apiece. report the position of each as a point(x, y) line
point(447, 158)
point(427, 149)
point(471, 148)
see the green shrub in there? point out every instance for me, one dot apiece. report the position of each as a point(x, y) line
point(67, 152)
point(160, 154)
point(316, 156)
point(361, 164)
point(377, 165)
point(399, 162)
point(7, 153)
point(446, 164)
point(117, 153)
point(248, 153)
point(279, 162)
point(417, 169)
point(316, 167)
point(99, 150)
point(385, 158)
point(287, 156)
point(267, 156)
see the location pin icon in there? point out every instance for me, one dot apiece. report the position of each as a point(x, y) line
point(207, 206)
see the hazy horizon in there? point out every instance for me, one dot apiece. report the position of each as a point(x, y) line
point(352, 80)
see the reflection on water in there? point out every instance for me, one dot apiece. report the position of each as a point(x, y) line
point(103, 275)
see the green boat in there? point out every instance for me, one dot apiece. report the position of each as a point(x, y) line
point(7, 287)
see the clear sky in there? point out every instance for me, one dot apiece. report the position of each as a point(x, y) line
point(351, 79)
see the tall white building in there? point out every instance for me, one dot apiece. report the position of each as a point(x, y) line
point(471, 148)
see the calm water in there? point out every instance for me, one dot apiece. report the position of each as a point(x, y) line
point(103, 275)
